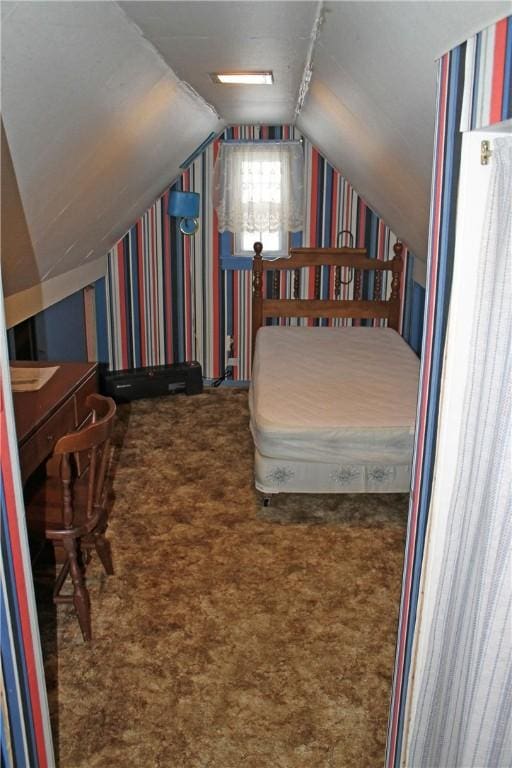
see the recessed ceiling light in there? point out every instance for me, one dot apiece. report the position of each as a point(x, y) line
point(243, 78)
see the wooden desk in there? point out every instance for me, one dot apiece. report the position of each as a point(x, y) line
point(48, 413)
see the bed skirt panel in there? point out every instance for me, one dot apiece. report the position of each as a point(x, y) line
point(292, 476)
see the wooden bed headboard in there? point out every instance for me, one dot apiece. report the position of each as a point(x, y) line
point(355, 308)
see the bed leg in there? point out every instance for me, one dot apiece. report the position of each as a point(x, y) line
point(266, 501)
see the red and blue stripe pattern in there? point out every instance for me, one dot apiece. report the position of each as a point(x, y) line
point(337, 215)
point(452, 86)
point(488, 81)
point(165, 291)
point(24, 721)
point(168, 299)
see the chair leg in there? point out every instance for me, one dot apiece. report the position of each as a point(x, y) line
point(102, 545)
point(81, 599)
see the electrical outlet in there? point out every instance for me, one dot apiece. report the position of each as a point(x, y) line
point(232, 360)
point(228, 349)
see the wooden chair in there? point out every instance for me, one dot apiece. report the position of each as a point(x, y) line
point(70, 507)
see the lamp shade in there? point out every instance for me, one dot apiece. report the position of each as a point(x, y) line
point(184, 204)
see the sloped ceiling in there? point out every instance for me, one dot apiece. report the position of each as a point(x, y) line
point(370, 107)
point(99, 113)
point(97, 125)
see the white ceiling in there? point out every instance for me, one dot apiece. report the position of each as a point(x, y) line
point(97, 125)
point(101, 102)
point(198, 38)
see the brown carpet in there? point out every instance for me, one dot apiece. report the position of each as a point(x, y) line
point(231, 634)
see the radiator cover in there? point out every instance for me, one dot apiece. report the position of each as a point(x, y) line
point(155, 381)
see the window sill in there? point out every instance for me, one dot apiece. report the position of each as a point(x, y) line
point(243, 262)
point(236, 262)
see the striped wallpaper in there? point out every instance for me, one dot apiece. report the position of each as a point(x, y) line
point(488, 77)
point(25, 736)
point(452, 88)
point(171, 298)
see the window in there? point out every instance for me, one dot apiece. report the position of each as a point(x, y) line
point(274, 243)
point(261, 185)
point(258, 193)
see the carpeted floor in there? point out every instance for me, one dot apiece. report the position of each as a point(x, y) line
point(231, 634)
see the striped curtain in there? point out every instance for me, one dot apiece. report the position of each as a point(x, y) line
point(462, 702)
point(458, 81)
point(168, 299)
point(25, 736)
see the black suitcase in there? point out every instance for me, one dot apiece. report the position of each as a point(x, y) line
point(134, 383)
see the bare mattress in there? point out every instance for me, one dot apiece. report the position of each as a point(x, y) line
point(342, 396)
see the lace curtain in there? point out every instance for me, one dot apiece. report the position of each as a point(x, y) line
point(259, 187)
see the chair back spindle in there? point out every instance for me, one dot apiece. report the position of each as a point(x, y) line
point(66, 479)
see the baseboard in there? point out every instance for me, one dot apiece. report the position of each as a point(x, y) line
point(243, 384)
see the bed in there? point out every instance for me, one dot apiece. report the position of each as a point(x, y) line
point(332, 407)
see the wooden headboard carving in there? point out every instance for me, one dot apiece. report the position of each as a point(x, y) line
point(356, 308)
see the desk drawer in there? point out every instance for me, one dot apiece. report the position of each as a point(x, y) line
point(41, 444)
point(89, 387)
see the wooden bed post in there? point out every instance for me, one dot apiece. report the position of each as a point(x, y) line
point(394, 310)
point(257, 292)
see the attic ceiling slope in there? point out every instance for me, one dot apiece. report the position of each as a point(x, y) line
point(371, 102)
point(97, 126)
point(97, 121)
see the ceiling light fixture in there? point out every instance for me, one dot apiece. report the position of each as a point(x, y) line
point(243, 78)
